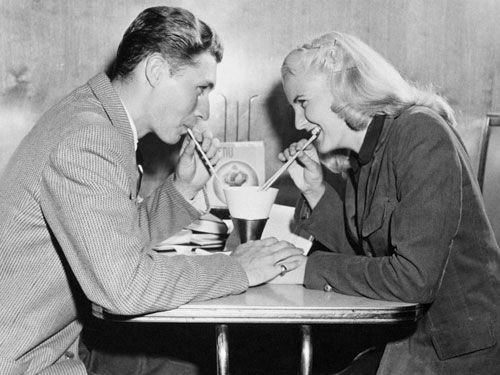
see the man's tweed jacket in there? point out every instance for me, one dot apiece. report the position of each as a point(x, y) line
point(70, 222)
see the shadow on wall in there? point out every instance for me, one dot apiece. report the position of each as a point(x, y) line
point(16, 111)
point(281, 119)
point(281, 116)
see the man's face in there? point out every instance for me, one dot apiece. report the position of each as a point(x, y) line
point(181, 99)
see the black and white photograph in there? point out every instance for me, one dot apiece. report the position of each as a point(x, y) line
point(249, 187)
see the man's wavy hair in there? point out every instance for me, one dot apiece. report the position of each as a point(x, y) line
point(362, 82)
point(175, 33)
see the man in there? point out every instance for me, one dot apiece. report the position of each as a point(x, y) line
point(73, 228)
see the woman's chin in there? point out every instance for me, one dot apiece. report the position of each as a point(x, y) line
point(320, 147)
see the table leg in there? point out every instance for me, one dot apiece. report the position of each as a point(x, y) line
point(222, 349)
point(306, 355)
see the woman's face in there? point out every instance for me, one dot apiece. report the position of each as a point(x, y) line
point(311, 98)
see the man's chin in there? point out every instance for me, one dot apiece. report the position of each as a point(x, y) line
point(171, 139)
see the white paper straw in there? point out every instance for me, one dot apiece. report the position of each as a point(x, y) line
point(204, 156)
point(285, 166)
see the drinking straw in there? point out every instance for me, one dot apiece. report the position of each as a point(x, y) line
point(315, 132)
point(204, 156)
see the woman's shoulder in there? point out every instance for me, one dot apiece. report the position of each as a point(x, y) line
point(420, 125)
point(420, 120)
point(419, 115)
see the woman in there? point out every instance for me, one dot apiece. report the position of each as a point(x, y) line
point(407, 221)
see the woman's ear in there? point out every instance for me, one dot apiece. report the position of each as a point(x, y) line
point(156, 68)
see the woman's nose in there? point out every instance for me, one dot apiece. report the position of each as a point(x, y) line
point(300, 121)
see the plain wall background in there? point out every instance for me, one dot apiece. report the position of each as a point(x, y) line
point(49, 47)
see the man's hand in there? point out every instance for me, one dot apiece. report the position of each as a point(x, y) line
point(262, 259)
point(293, 277)
point(191, 174)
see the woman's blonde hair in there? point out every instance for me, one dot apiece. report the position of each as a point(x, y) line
point(362, 82)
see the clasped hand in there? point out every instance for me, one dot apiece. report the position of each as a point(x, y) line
point(262, 260)
point(306, 172)
point(191, 174)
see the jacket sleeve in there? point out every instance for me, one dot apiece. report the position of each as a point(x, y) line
point(424, 218)
point(165, 211)
point(326, 222)
point(87, 203)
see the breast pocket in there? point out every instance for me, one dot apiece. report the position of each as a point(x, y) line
point(376, 226)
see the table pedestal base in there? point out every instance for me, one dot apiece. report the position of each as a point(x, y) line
point(307, 350)
point(222, 336)
point(221, 333)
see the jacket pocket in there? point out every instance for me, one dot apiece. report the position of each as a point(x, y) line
point(474, 335)
point(379, 212)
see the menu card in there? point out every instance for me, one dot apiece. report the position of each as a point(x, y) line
point(242, 164)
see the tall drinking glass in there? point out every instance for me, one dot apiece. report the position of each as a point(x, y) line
point(249, 207)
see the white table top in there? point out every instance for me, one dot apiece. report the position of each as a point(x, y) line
point(273, 303)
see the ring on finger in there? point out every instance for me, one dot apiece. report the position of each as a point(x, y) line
point(283, 270)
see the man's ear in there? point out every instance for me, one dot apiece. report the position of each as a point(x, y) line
point(155, 69)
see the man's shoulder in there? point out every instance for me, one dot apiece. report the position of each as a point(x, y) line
point(76, 110)
point(81, 116)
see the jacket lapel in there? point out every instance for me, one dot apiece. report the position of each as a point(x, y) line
point(350, 207)
point(370, 174)
point(113, 106)
point(359, 201)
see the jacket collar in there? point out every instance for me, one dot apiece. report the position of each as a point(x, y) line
point(359, 198)
point(370, 142)
point(113, 106)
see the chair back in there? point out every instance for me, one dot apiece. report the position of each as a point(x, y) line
point(489, 171)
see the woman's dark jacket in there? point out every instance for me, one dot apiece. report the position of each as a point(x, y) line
point(415, 230)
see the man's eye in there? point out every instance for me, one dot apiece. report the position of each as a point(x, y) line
point(302, 103)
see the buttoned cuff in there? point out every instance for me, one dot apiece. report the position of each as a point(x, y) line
point(321, 268)
point(319, 221)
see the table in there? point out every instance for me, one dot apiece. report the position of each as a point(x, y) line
point(283, 304)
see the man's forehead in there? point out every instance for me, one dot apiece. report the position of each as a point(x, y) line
point(204, 71)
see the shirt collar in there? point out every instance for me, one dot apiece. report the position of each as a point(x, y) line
point(132, 125)
point(371, 139)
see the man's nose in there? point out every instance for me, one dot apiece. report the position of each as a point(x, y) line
point(203, 108)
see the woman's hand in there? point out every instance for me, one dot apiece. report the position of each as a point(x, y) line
point(191, 174)
point(262, 260)
point(306, 172)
